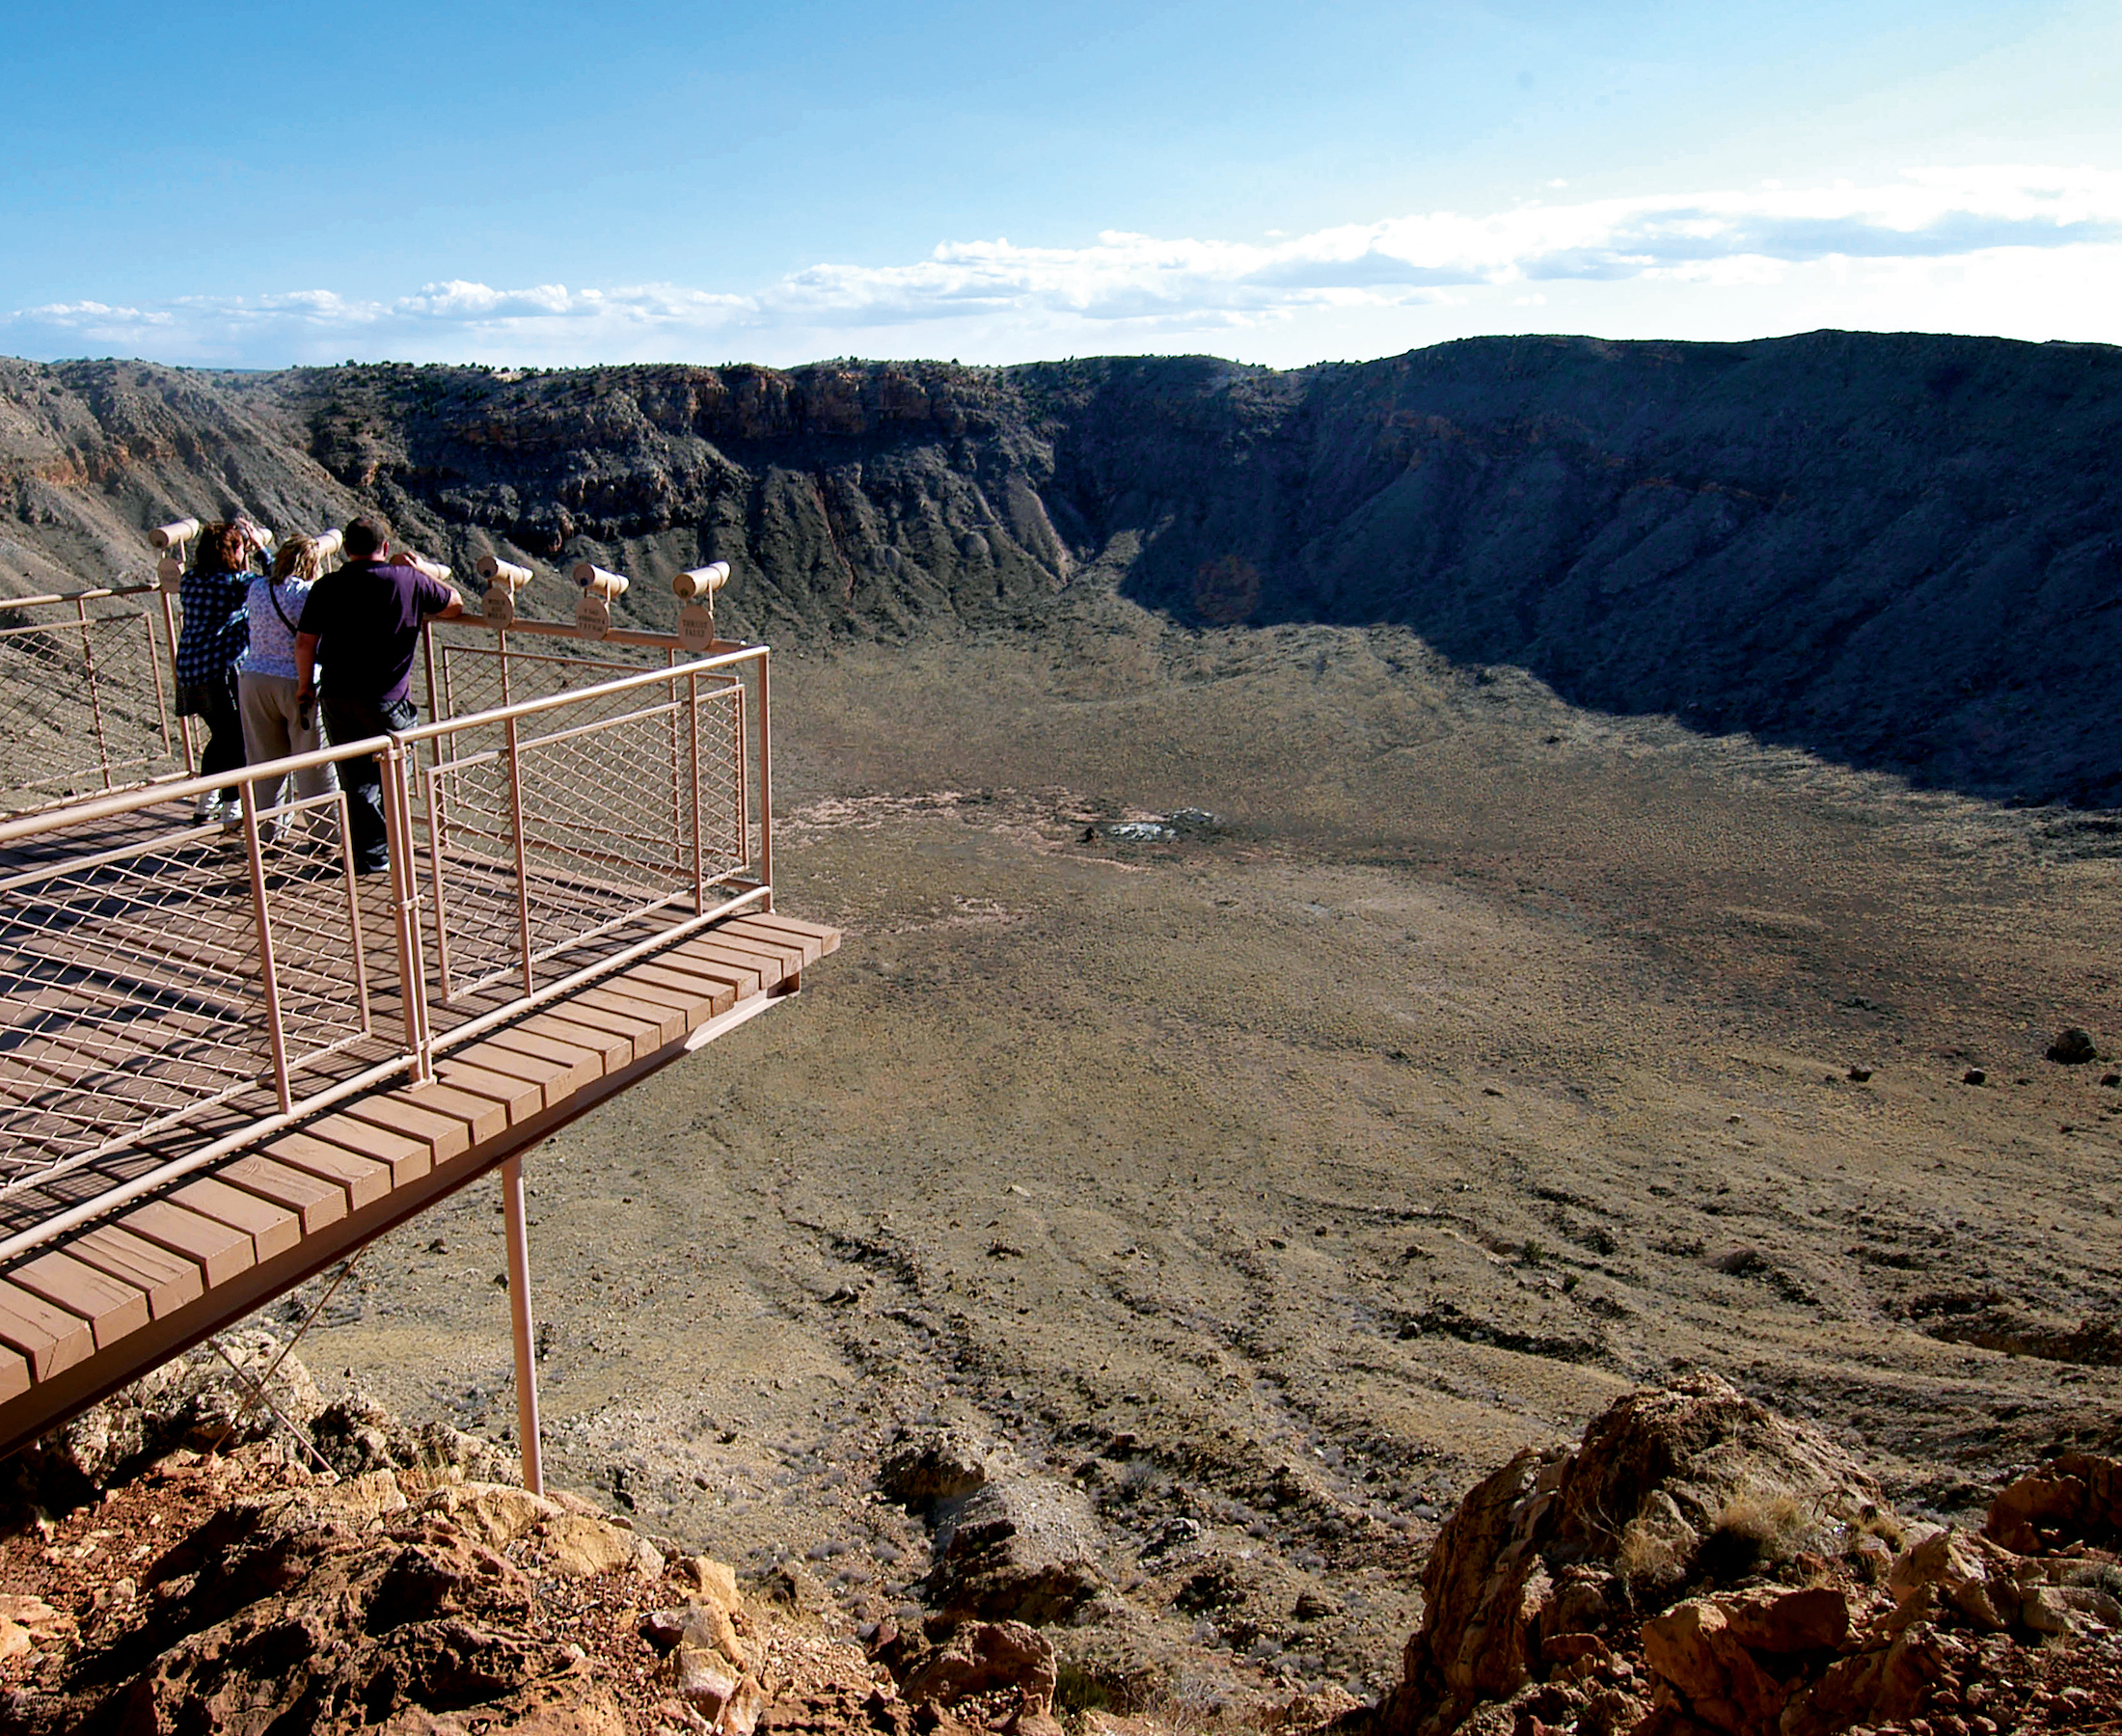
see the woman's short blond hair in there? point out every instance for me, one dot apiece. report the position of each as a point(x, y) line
point(297, 559)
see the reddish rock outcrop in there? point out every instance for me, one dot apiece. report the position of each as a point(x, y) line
point(1696, 1563)
point(1668, 1486)
point(2074, 1497)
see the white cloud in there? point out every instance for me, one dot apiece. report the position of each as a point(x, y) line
point(1926, 236)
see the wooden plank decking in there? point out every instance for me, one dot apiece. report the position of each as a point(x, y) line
point(95, 1308)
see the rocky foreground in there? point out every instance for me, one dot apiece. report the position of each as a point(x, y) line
point(1695, 1563)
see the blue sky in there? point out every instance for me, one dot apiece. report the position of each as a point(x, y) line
point(253, 185)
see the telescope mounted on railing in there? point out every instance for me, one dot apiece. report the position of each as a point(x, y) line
point(328, 546)
point(504, 580)
point(420, 565)
point(171, 538)
point(599, 590)
point(695, 591)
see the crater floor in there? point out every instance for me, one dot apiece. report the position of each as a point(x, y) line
point(1481, 1058)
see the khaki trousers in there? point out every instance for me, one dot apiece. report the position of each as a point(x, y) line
point(272, 730)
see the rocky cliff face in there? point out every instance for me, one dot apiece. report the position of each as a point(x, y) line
point(1897, 549)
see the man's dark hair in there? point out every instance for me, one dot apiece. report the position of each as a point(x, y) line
point(365, 535)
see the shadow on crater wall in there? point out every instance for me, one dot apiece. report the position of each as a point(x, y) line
point(1902, 552)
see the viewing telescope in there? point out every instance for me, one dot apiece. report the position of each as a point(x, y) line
point(702, 582)
point(593, 578)
point(171, 538)
point(420, 564)
point(594, 613)
point(502, 574)
point(328, 545)
point(696, 588)
point(504, 580)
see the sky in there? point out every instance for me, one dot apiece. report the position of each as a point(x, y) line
point(256, 185)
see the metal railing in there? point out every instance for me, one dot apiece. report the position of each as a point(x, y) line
point(86, 695)
point(175, 991)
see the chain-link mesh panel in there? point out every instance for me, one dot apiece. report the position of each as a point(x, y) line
point(324, 956)
point(134, 984)
point(132, 993)
point(605, 807)
point(83, 702)
point(485, 676)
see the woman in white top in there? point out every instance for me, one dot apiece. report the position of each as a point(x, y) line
point(273, 724)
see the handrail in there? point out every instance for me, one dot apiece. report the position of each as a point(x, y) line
point(180, 790)
point(80, 596)
point(586, 837)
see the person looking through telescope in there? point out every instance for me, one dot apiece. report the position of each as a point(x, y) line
point(364, 618)
point(214, 634)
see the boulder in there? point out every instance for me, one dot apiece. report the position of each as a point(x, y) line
point(705, 1665)
point(357, 1433)
point(1019, 1548)
point(1692, 1651)
point(1475, 1638)
point(2075, 1498)
point(1699, 1465)
point(2074, 1046)
point(921, 1471)
point(710, 1578)
point(496, 1515)
point(1780, 1623)
point(361, 1501)
point(984, 1660)
point(1972, 1574)
point(580, 1546)
point(1884, 1686)
point(196, 1402)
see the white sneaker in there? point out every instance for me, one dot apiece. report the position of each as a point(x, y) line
point(206, 807)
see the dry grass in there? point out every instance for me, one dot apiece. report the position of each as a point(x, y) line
point(1653, 1553)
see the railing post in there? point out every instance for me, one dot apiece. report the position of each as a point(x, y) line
point(693, 766)
point(155, 671)
point(435, 842)
point(519, 1312)
point(740, 794)
point(766, 784)
point(678, 792)
point(523, 862)
point(397, 820)
point(268, 976)
point(183, 719)
point(428, 658)
point(95, 691)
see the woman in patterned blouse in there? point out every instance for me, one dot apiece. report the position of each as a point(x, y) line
point(215, 633)
point(273, 724)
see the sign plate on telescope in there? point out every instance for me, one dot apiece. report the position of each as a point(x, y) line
point(695, 629)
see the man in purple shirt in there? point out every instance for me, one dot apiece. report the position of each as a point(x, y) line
point(364, 620)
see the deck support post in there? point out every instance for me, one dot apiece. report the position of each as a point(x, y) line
point(519, 1308)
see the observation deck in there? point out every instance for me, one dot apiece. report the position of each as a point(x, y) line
point(229, 1060)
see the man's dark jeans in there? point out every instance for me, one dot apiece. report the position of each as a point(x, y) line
point(362, 779)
